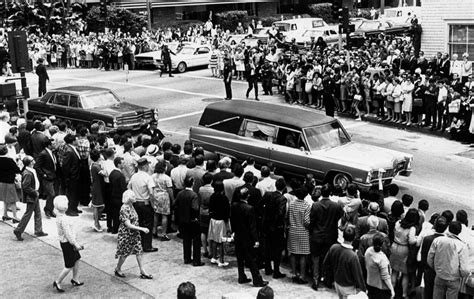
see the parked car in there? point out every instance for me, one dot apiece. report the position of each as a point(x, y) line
point(87, 105)
point(298, 141)
point(330, 36)
point(190, 55)
point(151, 59)
point(375, 27)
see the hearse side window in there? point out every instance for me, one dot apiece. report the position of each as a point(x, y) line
point(61, 99)
point(74, 102)
point(289, 138)
point(48, 98)
point(258, 131)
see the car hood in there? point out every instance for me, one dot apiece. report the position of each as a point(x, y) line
point(367, 155)
point(124, 108)
point(152, 55)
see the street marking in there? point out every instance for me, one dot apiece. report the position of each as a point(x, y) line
point(152, 87)
point(211, 78)
point(180, 116)
point(461, 196)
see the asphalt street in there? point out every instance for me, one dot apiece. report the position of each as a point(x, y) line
point(443, 174)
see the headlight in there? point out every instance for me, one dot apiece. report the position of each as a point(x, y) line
point(155, 114)
point(369, 176)
point(115, 123)
point(410, 160)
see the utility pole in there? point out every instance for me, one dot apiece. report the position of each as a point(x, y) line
point(148, 12)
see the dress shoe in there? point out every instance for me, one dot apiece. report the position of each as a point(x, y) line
point(188, 262)
point(146, 276)
point(15, 220)
point(18, 235)
point(76, 283)
point(56, 286)
point(41, 234)
point(6, 218)
point(244, 280)
point(198, 264)
point(153, 249)
point(279, 275)
point(119, 274)
point(171, 76)
point(72, 214)
point(50, 214)
point(315, 286)
point(78, 211)
point(165, 238)
point(260, 284)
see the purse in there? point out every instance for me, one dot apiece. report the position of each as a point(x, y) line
point(418, 102)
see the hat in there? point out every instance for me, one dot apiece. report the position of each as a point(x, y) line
point(10, 139)
point(142, 162)
point(374, 207)
point(152, 150)
point(27, 160)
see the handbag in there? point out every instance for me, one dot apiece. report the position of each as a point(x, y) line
point(417, 102)
point(308, 88)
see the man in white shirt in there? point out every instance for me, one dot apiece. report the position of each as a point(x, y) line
point(130, 159)
point(178, 174)
point(267, 184)
point(441, 108)
point(251, 167)
point(4, 126)
point(455, 66)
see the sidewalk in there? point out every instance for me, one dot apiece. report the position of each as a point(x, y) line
point(31, 266)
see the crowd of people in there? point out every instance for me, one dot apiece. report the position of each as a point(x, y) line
point(352, 239)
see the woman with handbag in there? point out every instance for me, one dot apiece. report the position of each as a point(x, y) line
point(397, 100)
point(418, 106)
point(8, 172)
point(407, 106)
point(389, 103)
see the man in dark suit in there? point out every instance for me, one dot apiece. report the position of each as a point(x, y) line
point(444, 68)
point(117, 187)
point(42, 77)
point(38, 138)
point(71, 171)
point(46, 167)
point(166, 59)
point(30, 186)
point(274, 212)
point(197, 172)
point(244, 225)
point(228, 78)
point(187, 208)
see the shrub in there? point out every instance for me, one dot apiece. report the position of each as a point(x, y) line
point(362, 13)
point(121, 18)
point(230, 19)
point(322, 10)
point(268, 21)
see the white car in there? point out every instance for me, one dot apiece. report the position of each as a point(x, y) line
point(191, 55)
point(330, 36)
point(151, 59)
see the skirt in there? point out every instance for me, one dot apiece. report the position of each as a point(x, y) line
point(389, 104)
point(397, 107)
point(217, 231)
point(204, 221)
point(70, 254)
point(298, 241)
point(8, 193)
point(407, 105)
point(161, 205)
point(399, 257)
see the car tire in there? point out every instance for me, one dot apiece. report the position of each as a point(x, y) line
point(181, 67)
point(341, 179)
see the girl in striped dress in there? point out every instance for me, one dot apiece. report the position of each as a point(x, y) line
point(213, 61)
point(298, 235)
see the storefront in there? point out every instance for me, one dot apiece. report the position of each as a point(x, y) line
point(448, 26)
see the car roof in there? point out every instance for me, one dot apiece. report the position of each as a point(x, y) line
point(81, 89)
point(289, 116)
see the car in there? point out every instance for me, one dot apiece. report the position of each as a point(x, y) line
point(151, 59)
point(190, 55)
point(87, 105)
point(375, 27)
point(298, 141)
point(330, 36)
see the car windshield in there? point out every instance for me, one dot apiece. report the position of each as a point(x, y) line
point(96, 100)
point(313, 33)
point(187, 51)
point(283, 27)
point(369, 25)
point(326, 136)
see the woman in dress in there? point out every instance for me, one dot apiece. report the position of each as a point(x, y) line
point(308, 88)
point(204, 193)
point(298, 235)
point(129, 240)
point(388, 98)
point(239, 63)
point(69, 245)
point(8, 171)
point(407, 90)
point(213, 61)
point(404, 235)
point(379, 284)
point(163, 198)
point(397, 99)
point(97, 188)
point(219, 212)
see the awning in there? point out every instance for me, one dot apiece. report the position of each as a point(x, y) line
point(141, 4)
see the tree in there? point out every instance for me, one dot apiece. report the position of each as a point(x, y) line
point(121, 18)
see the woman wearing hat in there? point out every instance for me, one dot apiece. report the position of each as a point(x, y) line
point(8, 171)
point(69, 245)
point(129, 240)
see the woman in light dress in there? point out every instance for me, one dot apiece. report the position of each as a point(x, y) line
point(407, 91)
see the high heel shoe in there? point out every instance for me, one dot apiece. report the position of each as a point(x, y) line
point(55, 285)
point(76, 283)
point(6, 218)
point(118, 274)
point(146, 276)
point(15, 221)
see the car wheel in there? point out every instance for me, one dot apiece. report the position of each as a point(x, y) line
point(341, 180)
point(181, 67)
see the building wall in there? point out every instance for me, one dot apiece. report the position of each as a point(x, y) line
point(437, 16)
point(266, 9)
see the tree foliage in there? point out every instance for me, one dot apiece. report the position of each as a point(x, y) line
point(117, 18)
point(230, 19)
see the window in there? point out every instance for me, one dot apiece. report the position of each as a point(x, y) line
point(74, 102)
point(61, 99)
point(289, 138)
point(293, 27)
point(461, 39)
point(48, 98)
point(259, 131)
point(203, 50)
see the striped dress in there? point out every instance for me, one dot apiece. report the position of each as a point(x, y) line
point(213, 59)
point(298, 234)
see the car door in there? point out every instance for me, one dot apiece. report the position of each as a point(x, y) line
point(75, 110)
point(58, 105)
point(289, 152)
point(255, 139)
point(202, 56)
